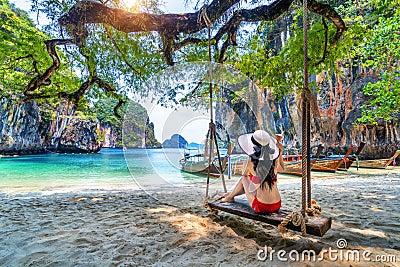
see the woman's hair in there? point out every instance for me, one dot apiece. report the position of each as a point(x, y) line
point(271, 177)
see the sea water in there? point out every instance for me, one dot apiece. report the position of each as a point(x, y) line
point(108, 168)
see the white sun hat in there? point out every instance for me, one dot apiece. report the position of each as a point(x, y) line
point(251, 142)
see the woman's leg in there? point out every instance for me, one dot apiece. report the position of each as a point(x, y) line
point(236, 191)
point(249, 188)
point(243, 186)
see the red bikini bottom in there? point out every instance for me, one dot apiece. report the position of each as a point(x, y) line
point(260, 207)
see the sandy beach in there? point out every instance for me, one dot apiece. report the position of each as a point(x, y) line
point(171, 227)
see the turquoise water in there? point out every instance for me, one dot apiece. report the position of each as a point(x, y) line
point(108, 168)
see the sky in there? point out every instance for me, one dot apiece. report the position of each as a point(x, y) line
point(169, 6)
point(190, 124)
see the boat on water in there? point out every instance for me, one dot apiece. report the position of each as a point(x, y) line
point(293, 162)
point(379, 163)
point(292, 166)
point(200, 163)
point(352, 158)
point(331, 164)
point(201, 166)
point(327, 165)
point(348, 161)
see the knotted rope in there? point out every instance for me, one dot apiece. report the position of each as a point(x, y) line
point(297, 218)
point(315, 209)
point(311, 99)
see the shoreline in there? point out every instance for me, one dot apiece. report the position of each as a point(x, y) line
point(131, 183)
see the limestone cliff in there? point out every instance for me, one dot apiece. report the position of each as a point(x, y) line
point(79, 137)
point(339, 107)
point(21, 129)
point(340, 100)
point(26, 129)
point(176, 141)
point(109, 135)
point(138, 131)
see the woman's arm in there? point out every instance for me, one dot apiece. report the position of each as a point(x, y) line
point(280, 163)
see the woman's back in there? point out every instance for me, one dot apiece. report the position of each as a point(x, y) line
point(268, 195)
point(264, 193)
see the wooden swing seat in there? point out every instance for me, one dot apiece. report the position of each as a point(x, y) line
point(316, 225)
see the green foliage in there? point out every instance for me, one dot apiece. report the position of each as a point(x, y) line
point(136, 125)
point(379, 50)
point(23, 55)
point(134, 121)
point(126, 60)
point(385, 100)
point(102, 108)
point(122, 60)
point(372, 39)
point(282, 71)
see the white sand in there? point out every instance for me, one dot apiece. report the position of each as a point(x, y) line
point(130, 228)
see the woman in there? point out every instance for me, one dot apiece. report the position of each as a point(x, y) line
point(258, 181)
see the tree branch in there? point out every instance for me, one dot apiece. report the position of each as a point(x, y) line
point(169, 25)
point(326, 30)
point(85, 12)
point(44, 79)
point(34, 62)
point(168, 48)
point(78, 94)
point(111, 90)
point(328, 12)
point(187, 41)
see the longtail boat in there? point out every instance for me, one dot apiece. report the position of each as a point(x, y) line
point(329, 164)
point(201, 167)
point(378, 163)
point(293, 163)
point(199, 164)
point(294, 167)
point(237, 162)
point(350, 159)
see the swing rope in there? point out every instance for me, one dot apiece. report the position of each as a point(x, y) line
point(309, 206)
point(304, 127)
point(211, 136)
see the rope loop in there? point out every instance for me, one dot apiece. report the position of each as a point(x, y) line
point(297, 218)
point(310, 98)
point(315, 209)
